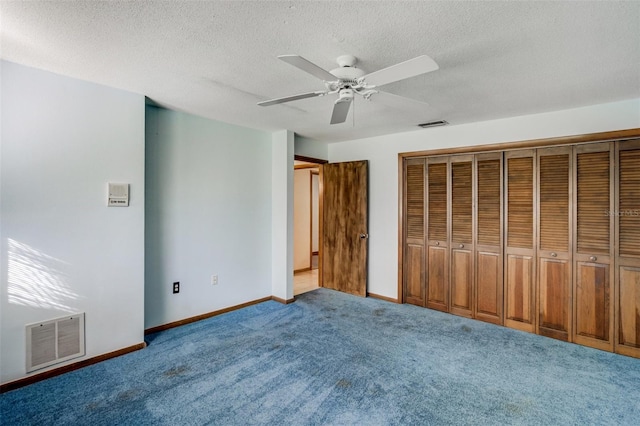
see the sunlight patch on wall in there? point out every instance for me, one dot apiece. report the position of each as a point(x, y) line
point(37, 279)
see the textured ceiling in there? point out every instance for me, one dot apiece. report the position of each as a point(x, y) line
point(218, 59)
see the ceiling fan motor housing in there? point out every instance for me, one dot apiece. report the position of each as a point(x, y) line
point(347, 73)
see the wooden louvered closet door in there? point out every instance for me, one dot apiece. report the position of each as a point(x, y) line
point(593, 248)
point(461, 244)
point(520, 249)
point(627, 220)
point(488, 244)
point(438, 234)
point(414, 247)
point(554, 242)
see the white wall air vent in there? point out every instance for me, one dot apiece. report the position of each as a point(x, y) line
point(433, 124)
point(54, 341)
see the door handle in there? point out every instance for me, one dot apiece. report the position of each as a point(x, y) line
point(554, 254)
point(461, 245)
point(364, 236)
point(593, 258)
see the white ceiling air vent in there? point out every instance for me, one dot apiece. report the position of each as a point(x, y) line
point(433, 124)
point(54, 341)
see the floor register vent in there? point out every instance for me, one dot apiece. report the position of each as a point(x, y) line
point(54, 341)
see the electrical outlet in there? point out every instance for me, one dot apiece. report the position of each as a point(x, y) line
point(214, 280)
point(176, 287)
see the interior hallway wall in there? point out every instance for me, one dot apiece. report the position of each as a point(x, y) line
point(311, 148)
point(315, 212)
point(301, 219)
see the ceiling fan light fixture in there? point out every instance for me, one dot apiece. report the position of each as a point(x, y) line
point(345, 95)
point(433, 124)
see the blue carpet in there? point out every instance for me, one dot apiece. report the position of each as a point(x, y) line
point(332, 358)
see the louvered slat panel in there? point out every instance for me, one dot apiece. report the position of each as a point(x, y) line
point(554, 202)
point(461, 202)
point(488, 202)
point(593, 231)
point(629, 194)
point(415, 201)
point(520, 202)
point(437, 201)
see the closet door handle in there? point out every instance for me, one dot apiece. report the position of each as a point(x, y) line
point(593, 258)
point(437, 243)
point(461, 245)
point(554, 254)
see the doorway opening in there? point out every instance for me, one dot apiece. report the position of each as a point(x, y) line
point(306, 224)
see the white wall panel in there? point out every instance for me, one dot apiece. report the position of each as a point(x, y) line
point(63, 249)
point(208, 213)
point(382, 153)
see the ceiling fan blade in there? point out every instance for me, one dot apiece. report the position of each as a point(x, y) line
point(306, 66)
point(399, 102)
point(411, 68)
point(340, 111)
point(292, 98)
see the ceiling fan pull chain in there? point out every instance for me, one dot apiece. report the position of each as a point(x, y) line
point(353, 114)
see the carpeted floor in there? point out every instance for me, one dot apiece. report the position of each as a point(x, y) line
point(331, 358)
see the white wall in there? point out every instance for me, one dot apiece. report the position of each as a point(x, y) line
point(310, 148)
point(282, 214)
point(208, 212)
point(63, 249)
point(301, 219)
point(382, 153)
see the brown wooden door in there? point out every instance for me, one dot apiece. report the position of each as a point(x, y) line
point(554, 242)
point(627, 220)
point(593, 250)
point(414, 286)
point(488, 245)
point(438, 234)
point(520, 249)
point(345, 226)
point(461, 243)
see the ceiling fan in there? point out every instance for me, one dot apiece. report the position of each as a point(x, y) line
point(347, 81)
